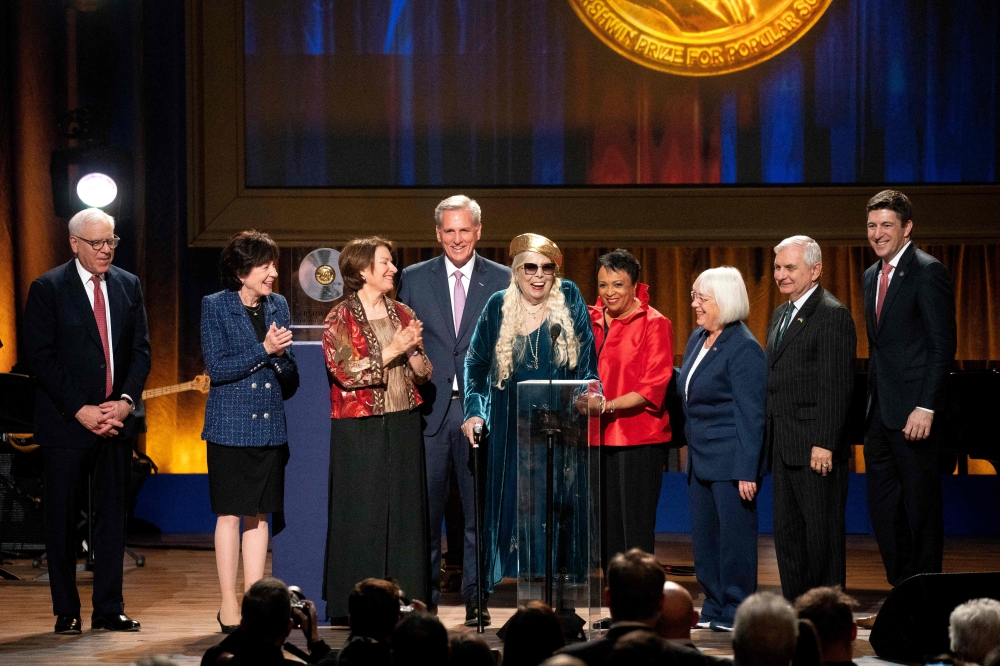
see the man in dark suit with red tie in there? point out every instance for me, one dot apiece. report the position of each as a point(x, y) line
point(87, 341)
point(910, 317)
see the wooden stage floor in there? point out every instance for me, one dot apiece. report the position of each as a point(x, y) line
point(175, 596)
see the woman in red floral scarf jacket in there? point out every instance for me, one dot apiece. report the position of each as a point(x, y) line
point(378, 524)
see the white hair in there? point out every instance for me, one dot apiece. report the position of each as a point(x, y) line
point(567, 351)
point(725, 285)
point(765, 631)
point(811, 253)
point(974, 629)
point(459, 202)
point(85, 217)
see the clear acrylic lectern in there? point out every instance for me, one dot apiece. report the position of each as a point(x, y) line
point(558, 497)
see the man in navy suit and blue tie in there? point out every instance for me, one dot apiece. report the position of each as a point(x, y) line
point(910, 317)
point(448, 293)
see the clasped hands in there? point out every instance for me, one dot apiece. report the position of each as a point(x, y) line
point(105, 419)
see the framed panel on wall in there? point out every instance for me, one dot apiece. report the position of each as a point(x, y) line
point(613, 121)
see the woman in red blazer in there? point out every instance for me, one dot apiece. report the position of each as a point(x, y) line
point(635, 348)
point(378, 525)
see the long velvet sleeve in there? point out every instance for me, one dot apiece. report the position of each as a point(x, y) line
point(479, 359)
point(586, 366)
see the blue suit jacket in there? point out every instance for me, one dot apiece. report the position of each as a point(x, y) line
point(424, 287)
point(244, 403)
point(724, 406)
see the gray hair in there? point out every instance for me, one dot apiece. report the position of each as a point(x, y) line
point(974, 629)
point(85, 217)
point(459, 202)
point(725, 285)
point(765, 631)
point(810, 248)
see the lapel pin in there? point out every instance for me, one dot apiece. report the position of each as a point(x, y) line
point(715, 349)
point(800, 320)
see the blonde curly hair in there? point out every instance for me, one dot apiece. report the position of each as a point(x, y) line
point(567, 350)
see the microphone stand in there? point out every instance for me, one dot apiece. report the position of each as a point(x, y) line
point(550, 444)
point(478, 436)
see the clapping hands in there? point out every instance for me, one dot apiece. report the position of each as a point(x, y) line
point(277, 340)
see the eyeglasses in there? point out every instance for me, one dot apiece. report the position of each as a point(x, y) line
point(698, 298)
point(532, 269)
point(98, 245)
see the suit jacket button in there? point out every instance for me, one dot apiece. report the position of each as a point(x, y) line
point(265, 415)
point(254, 416)
point(267, 385)
point(254, 385)
point(456, 353)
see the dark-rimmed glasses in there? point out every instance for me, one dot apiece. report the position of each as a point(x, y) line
point(98, 245)
point(532, 269)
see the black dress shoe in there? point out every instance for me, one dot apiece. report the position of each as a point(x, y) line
point(472, 614)
point(120, 622)
point(68, 624)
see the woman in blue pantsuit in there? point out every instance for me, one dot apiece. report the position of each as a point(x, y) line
point(723, 383)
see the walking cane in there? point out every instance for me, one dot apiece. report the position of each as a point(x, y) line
point(478, 436)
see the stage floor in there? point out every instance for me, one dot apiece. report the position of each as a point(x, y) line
point(176, 593)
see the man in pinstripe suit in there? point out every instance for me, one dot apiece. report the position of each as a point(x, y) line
point(811, 346)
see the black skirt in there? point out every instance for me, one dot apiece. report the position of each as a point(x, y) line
point(378, 524)
point(248, 480)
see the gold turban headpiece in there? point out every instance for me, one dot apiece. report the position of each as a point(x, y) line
point(536, 243)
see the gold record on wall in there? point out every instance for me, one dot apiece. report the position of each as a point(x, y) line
point(699, 37)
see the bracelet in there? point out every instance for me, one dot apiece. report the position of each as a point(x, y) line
point(612, 406)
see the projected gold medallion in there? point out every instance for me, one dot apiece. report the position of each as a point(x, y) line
point(699, 37)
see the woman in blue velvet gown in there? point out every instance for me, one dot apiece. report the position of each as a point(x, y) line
point(511, 344)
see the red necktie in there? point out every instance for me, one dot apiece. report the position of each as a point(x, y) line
point(883, 286)
point(100, 315)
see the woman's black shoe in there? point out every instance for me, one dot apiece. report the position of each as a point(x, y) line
point(226, 628)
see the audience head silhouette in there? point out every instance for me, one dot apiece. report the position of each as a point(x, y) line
point(533, 634)
point(635, 587)
point(373, 608)
point(831, 612)
point(419, 640)
point(267, 611)
point(765, 631)
point(974, 629)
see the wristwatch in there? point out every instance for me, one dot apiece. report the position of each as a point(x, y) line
point(131, 403)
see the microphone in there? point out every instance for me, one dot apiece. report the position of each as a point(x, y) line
point(554, 332)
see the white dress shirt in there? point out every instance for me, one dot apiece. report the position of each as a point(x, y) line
point(466, 282)
point(86, 276)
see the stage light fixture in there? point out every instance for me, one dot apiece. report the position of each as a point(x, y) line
point(97, 190)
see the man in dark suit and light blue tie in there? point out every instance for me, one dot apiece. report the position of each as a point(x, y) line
point(811, 346)
point(87, 341)
point(448, 293)
point(910, 317)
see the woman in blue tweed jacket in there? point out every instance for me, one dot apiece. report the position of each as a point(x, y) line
point(247, 348)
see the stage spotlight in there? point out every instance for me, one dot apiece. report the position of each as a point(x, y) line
point(99, 177)
point(96, 190)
